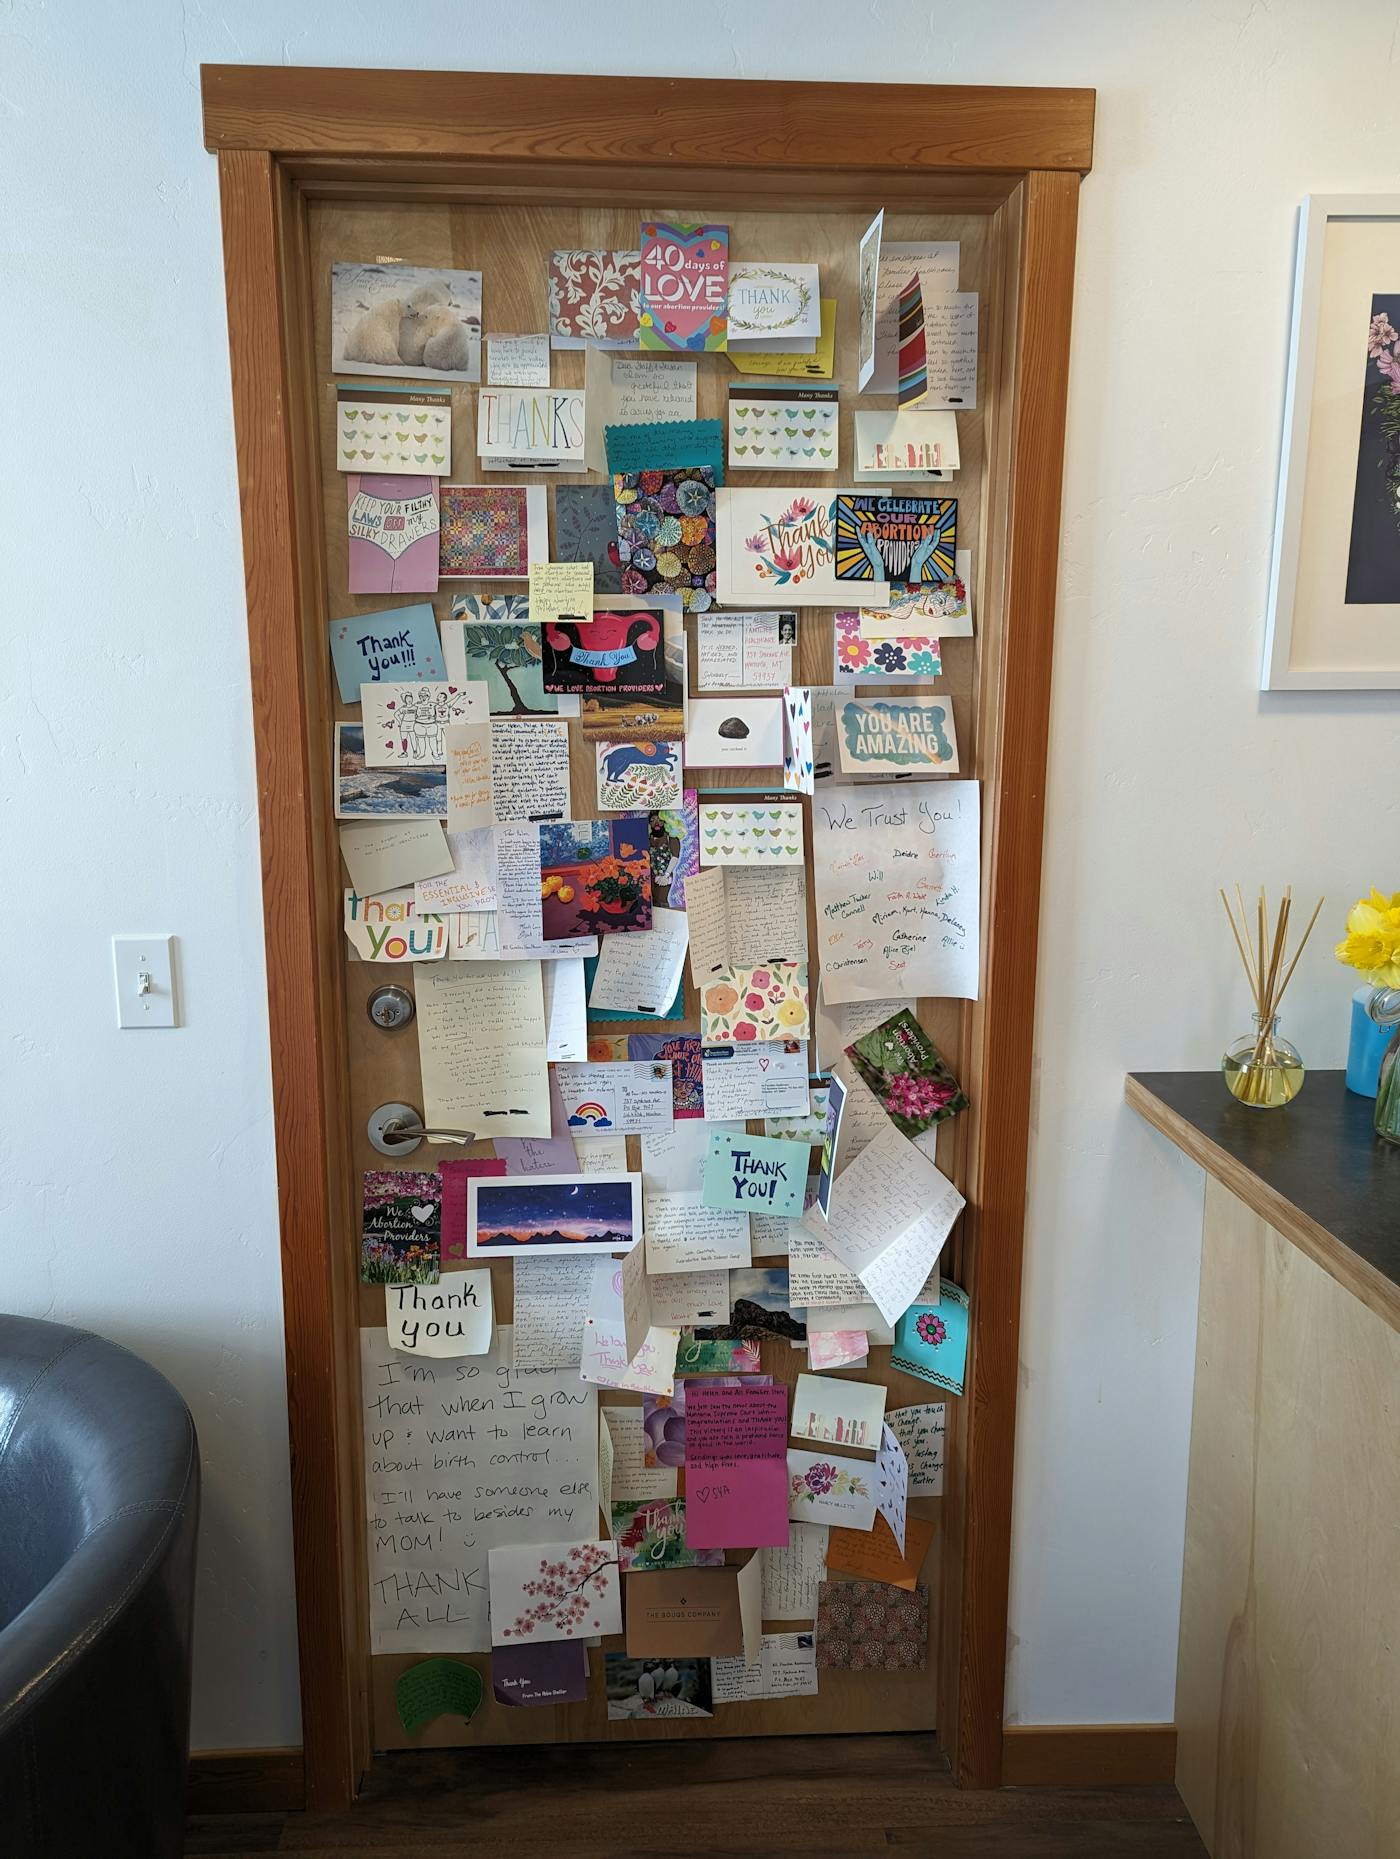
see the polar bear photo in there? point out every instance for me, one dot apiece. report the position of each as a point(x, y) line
point(407, 320)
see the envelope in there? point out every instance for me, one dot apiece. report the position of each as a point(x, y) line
point(694, 1613)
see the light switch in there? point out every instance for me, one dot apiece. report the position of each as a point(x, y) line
point(145, 971)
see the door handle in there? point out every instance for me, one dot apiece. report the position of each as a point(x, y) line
point(398, 1129)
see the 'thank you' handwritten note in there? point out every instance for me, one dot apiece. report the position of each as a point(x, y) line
point(898, 888)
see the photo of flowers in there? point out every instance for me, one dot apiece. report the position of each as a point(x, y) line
point(595, 877)
point(1373, 554)
point(562, 1215)
point(902, 1066)
point(400, 1227)
point(666, 533)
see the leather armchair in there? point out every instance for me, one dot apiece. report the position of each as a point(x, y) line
point(99, 1503)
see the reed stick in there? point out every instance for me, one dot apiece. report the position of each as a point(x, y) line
point(1268, 969)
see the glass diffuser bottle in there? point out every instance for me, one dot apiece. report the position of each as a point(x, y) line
point(1263, 1070)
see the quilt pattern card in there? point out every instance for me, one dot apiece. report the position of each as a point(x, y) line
point(401, 1227)
point(897, 735)
point(399, 646)
point(553, 1591)
point(894, 539)
point(392, 526)
point(400, 430)
point(684, 287)
point(594, 298)
point(744, 1005)
point(414, 320)
point(783, 429)
point(666, 533)
point(492, 532)
point(585, 530)
point(595, 877)
point(870, 1626)
point(859, 660)
point(735, 832)
point(903, 1069)
point(774, 306)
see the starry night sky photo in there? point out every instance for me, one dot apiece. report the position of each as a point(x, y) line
point(583, 1210)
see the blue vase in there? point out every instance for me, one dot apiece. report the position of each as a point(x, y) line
point(1369, 1040)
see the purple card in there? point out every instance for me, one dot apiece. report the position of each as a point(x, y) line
point(736, 1467)
point(553, 1672)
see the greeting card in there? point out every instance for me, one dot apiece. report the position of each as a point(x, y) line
point(891, 735)
point(755, 1174)
point(776, 547)
point(912, 382)
point(392, 525)
point(492, 532)
point(783, 429)
point(666, 532)
point(931, 1340)
point(826, 1488)
point(894, 538)
point(594, 299)
point(405, 725)
point(684, 287)
point(595, 877)
point(943, 608)
point(618, 654)
point(362, 792)
point(734, 732)
point(401, 430)
point(535, 425)
point(819, 365)
point(673, 837)
point(406, 320)
point(638, 776)
point(858, 660)
point(870, 1626)
point(399, 646)
point(741, 833)
point(650, 1534)
point(490, 641)
point(908, 443)
point(736, 1467)
point(774, 306)
point(744, 1005)
point(902, 1066)
point(555, 1591)
point(585, 530)
point(401, 1225)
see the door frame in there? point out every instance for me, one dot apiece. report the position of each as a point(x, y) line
point(284, 136)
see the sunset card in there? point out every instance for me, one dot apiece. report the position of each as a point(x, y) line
point(553, 1215)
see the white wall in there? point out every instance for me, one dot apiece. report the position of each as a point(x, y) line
point(136, 1170)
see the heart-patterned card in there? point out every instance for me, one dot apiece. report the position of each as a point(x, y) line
point(394, 429)
point(783, 429)
point(746, 833)
point(401, 1227)
point(798, 760)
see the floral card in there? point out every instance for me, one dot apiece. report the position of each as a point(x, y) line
point(401, 430)
point(585, 530)
point(595, 877)
point(684, 287)
point(896, 735)
point(902, 1066)
point(774, 306)
point(823, 1488)
point(742, 1005)
point(401, 1227)
point(594, 299)
point(783, 429)
point(931, 1340)
point(738, 833)
point(650, 1534)
point(894, 538)
point(637, 777)
point(492, 532)
point(406, 320)
point(856, 659)
point(392, 526)
point(871, 1626)
point(554, 1591)
point(666, 532)
point(776, 548)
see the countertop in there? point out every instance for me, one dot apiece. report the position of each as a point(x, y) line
point(1315, 1169)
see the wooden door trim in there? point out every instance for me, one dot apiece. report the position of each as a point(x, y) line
point(279, 133)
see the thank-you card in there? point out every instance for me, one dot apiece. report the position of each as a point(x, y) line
point(685, 287)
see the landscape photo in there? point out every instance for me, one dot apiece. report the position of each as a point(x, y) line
point(363, 793)
point(558, 1214)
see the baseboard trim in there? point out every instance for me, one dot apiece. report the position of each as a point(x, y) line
point(1087, 1755)
point(246, 1781)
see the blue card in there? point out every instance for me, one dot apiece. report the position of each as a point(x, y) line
point(755, 1174)
point(399, 646)
point(931, 1341)
point(666, 445)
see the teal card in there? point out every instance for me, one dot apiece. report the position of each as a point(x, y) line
point(755, 1174)
point(399, 646)
point(931, 1341)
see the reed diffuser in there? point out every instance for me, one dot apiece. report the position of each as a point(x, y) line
point(1263, 1070)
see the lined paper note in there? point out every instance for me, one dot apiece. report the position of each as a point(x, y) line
point(481, 1047)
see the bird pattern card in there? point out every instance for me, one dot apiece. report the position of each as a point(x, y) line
point(684, 287)
point(492, 532)
point(895, 539)
point(734, 832)
point(401, 430)
point(783, 429)
point(392, 528)
point(594, 299)
point(742, 1005)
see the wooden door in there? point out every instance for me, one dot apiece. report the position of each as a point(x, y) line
point(492, 171)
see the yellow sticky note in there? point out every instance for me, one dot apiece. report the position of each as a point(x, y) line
point(559, 590)
point(815, 367)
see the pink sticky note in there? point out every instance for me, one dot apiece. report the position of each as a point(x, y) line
point(735, 1467)
point(452, 1246)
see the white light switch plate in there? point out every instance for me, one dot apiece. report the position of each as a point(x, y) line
point(153, 957)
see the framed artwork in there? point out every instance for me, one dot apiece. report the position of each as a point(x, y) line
point(1334, 586)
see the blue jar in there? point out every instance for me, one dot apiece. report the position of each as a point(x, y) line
point(1369, 1040)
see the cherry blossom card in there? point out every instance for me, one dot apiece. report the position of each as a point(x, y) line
point(553, 1591)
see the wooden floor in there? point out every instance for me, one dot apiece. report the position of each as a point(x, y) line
point(825, 1797)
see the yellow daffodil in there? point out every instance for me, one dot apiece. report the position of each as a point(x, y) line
point(1372, 944)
